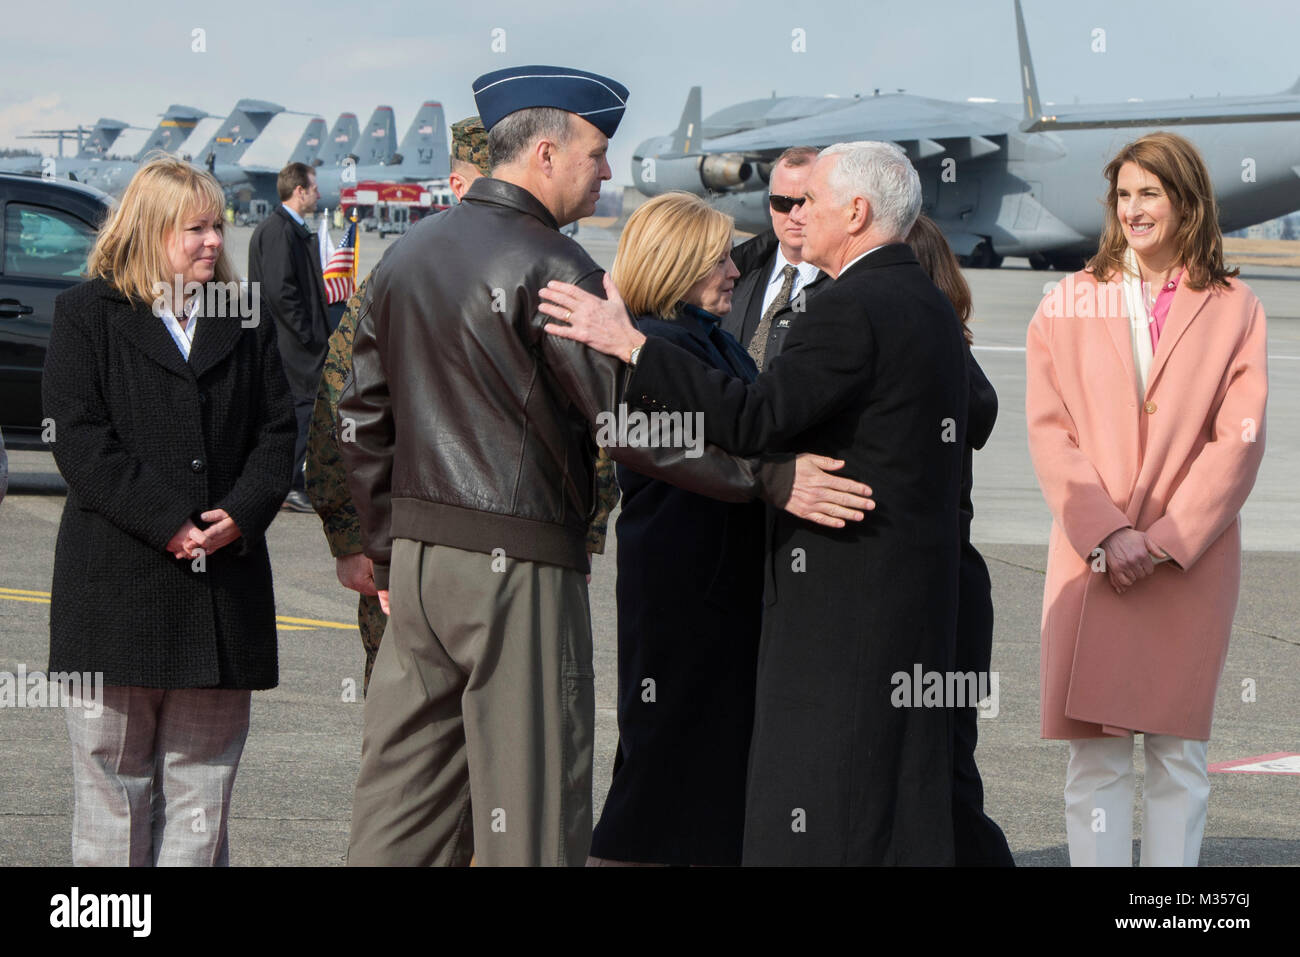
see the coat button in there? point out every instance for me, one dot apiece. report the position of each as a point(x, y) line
point(197, 465)
point(1149, 408)
point(203, 398)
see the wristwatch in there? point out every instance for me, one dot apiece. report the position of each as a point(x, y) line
point(636, 354)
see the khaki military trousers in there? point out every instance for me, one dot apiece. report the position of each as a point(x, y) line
point(480, 716)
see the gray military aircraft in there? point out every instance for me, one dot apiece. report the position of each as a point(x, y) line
point(998, 185)
point(262, 179)
point(340, 142)
point(172, 130)
point(95, 146)
point(375, 147)
point(424, 154)
point(220, 156)
point(378, 141)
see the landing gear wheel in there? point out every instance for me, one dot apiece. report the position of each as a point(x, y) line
point(982, 257)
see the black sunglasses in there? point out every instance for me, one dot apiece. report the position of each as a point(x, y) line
point(783, 204)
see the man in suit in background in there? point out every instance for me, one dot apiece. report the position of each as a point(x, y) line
point(284, 258)
point(775, 282)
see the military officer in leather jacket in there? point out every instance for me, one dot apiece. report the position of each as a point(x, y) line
point(472, 472)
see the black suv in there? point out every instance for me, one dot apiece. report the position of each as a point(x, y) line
point(47, 228)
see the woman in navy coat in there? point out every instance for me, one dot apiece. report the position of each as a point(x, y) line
point(690, 581)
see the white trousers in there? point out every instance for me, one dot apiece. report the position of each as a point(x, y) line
point(153, 776)
point(1099, 795)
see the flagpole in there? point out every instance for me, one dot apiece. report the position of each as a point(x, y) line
point(356, 248)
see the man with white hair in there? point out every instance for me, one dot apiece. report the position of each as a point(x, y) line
point(847, 764)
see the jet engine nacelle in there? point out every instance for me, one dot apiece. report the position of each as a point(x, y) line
point(694, 174)
point(722, 171)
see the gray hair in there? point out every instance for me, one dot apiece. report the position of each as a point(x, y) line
point(882, 174)
point(513, 134)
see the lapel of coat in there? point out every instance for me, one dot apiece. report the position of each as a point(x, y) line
point(215, 337)
point(1118, 326)
point(139, 326)
point(751, 304)
point(1186, 306)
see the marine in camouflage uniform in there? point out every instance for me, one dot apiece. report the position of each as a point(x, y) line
point(327, 485)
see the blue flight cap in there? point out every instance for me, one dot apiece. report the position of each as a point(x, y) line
point(597, 99)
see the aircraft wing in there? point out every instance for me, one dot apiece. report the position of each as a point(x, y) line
point(914, 122)
point(1209, 110)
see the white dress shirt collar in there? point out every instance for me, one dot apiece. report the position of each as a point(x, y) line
point(804, 274)
point(863, 256)
point(296, 218)
point(184, 338)
point(807, 272)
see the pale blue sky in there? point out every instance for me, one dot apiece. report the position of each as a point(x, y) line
point(330, 56)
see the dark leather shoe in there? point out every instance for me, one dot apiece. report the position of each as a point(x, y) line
point(297, 501)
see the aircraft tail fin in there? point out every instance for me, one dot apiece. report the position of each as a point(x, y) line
point(378, 140)
point(309, 143)
point(1293, 89)
point(101, 138)
point(1028, 82)
point(424, 153)
point(173, 129)
point(688, 130)
point(237, 133)
point(341, 141)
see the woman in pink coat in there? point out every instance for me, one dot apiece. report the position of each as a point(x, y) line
point(1145, 395)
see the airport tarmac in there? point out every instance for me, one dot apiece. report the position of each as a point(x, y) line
point(293, 794)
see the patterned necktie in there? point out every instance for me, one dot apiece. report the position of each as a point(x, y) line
point(758, 345)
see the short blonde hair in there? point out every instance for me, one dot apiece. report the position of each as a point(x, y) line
point(668, 245)
point(131, 252)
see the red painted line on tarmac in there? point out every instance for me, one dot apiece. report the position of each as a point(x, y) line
point(1241, 765)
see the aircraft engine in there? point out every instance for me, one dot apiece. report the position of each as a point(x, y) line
point(725, 171)
point(694, 174)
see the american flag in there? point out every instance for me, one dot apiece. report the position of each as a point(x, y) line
point(338, 270)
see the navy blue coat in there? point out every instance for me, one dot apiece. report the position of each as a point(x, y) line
point(875, 374)
point(690, 598)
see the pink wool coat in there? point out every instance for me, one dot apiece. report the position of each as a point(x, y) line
point(1177, 464)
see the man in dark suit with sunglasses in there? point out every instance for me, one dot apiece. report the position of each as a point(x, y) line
point(775, 283)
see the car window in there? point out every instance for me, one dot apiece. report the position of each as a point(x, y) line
point(40, 241)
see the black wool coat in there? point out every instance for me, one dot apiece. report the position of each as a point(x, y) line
point(690, 602)
point(874, 374)
point(978, 840)
point(284, 258)
point(146, 440)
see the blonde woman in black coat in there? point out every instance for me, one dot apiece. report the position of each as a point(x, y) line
point(174, 431)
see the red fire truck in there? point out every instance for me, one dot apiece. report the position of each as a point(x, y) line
point(387, 207)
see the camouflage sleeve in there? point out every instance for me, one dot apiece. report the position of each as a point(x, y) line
point(606, 499)
point(327, 481)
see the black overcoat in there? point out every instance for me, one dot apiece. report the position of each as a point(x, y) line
point(146, 440)
point(979, 842)
point(284, 258)
point(690, 602)
point(874, 373)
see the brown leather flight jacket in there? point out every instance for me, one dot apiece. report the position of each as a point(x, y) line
point(472, 427)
